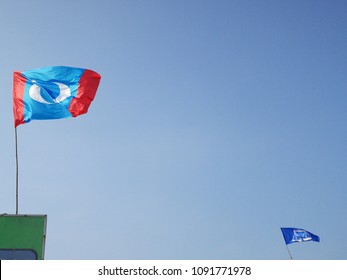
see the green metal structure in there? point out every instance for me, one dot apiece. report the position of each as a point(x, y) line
point(22, 236)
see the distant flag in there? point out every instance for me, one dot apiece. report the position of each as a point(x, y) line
point(52, 93)
point(292, 235)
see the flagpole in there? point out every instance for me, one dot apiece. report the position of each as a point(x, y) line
point(15, 132)
point(290, 255)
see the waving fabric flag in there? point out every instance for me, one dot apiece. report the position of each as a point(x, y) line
point(53, 93)
point(292, 235)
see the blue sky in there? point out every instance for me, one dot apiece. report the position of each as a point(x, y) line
point(215, 124)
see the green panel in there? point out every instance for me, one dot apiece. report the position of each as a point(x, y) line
point(23, 232)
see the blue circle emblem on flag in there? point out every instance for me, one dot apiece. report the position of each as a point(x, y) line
point(49, 91)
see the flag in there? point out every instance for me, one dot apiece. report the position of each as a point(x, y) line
point(52, 93)
point(292, 235)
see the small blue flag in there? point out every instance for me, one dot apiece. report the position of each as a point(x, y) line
point(292, 235)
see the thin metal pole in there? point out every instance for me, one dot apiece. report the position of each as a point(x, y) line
point(290, 255)
point(15, 132)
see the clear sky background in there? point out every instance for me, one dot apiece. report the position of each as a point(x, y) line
point(215, 124)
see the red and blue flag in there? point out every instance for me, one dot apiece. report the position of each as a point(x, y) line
point(53, 93)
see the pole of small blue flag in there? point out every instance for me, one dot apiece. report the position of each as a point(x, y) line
point(290, 255)
point(15, 132)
